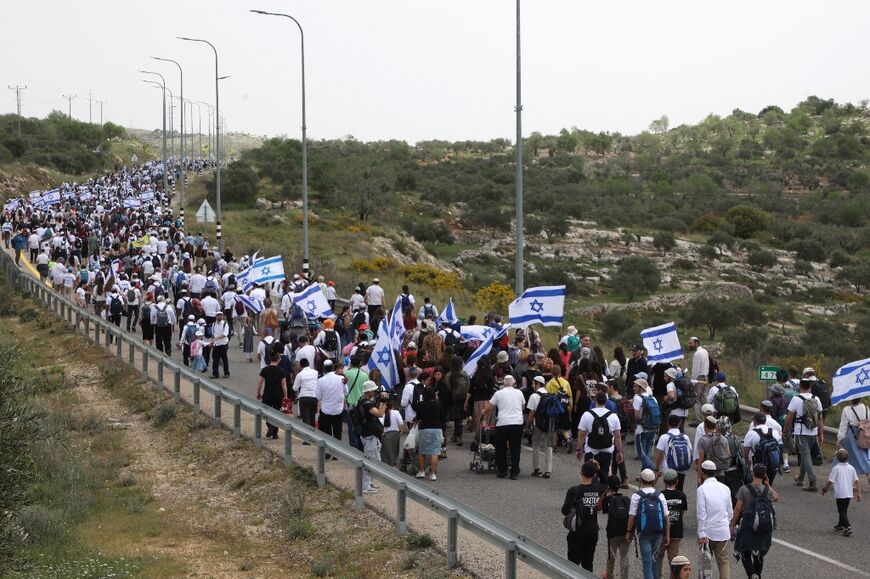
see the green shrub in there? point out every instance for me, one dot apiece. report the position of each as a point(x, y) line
point(419, 540)
point(164, 413)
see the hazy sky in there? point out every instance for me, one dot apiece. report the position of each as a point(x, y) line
point(413, 70)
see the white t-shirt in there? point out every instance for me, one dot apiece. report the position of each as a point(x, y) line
point(308, 352)
point(533, 402)
point(797, 406)
point(676, 411)
point(509, 402)
point(637, 404)
point(751, 439)
point(395, 421)
point(843, 477)
point(774, 425)
point(664, 439)
point(586, 425)
point(635, 501)
point(711, 395)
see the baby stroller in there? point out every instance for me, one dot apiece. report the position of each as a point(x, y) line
point(483, 449)
point(408, 463)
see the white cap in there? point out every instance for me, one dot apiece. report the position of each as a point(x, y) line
point(808, 371)
point(708, 409)
point(539, 379)
point(647, 475)
point(694, 339)
point(672, 373)
point(708, 465)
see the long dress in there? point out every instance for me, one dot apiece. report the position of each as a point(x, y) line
point(858, 457)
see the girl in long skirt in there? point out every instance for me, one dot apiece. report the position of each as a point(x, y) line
point(847, 437)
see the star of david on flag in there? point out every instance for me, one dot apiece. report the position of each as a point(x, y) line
point(252, 304)
point(397, 325)
point(481, 351)
point(449, 315)
point(481, 333)
point(662, 343)
point(538, 305)
point(313, 302)
point(266, 271)
point(851, 381)
point(383, 357)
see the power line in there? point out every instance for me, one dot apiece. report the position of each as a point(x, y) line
point(101, 103)
point(18, 90)
point(69, 99)
point(90, 109)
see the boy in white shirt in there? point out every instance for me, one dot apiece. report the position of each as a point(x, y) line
point(844, 479)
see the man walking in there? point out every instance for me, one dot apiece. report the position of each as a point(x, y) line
point(648, 515)
point(598, 437)
point(508, 427)
point(370, 411)
point(220, 343)
point(714, 517)
point(163, 319)
point(305, 387)
point(543, 427)
point(700, 371)
point(330, 393)
point(805, 415)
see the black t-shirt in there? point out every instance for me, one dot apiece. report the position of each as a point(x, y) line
point(677, 504)
point(272, 391)
point(430, 414)
point(588, 495)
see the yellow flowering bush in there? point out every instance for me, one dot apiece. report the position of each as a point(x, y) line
point(373, 265)
point(496, 297)
point(433, 277)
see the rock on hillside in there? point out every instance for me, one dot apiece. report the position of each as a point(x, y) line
point(18, 180)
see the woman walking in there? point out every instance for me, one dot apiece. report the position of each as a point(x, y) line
point(847, 437)
point(430, 417)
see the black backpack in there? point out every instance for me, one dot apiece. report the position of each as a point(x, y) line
point(821, 390)
point(358, 319)
point(330, 341)
point(450, 338)
point(617, 515)
point(268, 350)
point(116, 306)
point(762, 516)
point(599, 436)
point(187, 308)
point(542, 419)
point(406, 302)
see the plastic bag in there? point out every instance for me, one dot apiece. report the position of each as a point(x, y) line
point(411, 439)
point(287, 406)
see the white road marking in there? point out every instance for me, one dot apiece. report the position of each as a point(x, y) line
point(821, 557)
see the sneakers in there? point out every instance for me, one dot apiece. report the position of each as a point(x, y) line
point(370, 491)
point(420, 474)
point(786, 469)
point(433, 477)
point(546, 475)
point(811, 488)
point(537, 472)
point(839, 528)
point(847, 531)
point(799, 481)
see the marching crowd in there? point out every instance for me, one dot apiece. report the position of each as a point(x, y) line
point(112, 245)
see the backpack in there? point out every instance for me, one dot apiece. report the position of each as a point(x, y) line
point(115, 306)
point(428, 310)
point(686, 395)
point(720, 451)
point(810, 416)
point(736, 450)
point(459, 385)
point(131, 295)
point(406, 302)
point(450, 338)
point(650, 514)
point(625, 412)
point(267, 350)
point(162, 319)
point(359, 319)
point(581, 518)
point(330, 341)
point(651, 417)
point(725, 401)
point(780, 409)
point(617, 515)
point(821, 390)
point(766, 452)
point(239, 308)
point(542, 420)
point(679, 457)
point(145, 317)
point(862, 431)
point(599, 436)
point(179, 280)
point(186, 308)
point(190, 334)
point(762, 516)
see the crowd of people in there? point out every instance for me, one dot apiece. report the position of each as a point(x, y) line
point(113, 244)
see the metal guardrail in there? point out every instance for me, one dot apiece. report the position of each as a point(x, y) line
point(748, 412)
point(515, 546)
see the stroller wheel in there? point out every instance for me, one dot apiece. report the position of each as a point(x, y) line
point(471, 465)
point(480, 469)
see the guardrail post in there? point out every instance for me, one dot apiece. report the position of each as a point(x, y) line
point(131, 354)
point(288, 445)
point(176, 384)
point(108, 337)
point(218, 400)
point(452, 538)
point(358, 503)
point(87, 326)
point(321, 463)
point(401, 500)
point(145, 361)
point(510, 560)
point(258, 429)
point(118, 345)
point(62, 308)
point(197, 384)
point(237, 418)
point(78, 320)
point(159, 371)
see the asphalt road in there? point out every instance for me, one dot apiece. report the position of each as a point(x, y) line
point(805, 544)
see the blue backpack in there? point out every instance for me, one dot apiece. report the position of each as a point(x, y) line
point(650, 514)
point(679, 457)
point(651, 417)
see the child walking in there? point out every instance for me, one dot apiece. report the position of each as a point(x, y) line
point(248, 338)
point(844, 479)
point(197, 360)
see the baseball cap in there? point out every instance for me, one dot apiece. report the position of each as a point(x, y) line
point(376, 280)
point(767, 403)
point(708, 465)
point(720, 376)
point(647, 475)
point(412, 345)
point(191, 318)
point(708, 409)
point(636, 347)
point(711, 420)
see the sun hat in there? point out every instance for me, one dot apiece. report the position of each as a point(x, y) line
point(369, 386)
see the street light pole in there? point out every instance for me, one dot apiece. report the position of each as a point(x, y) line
point(304, 143)
point(183, 166)
point(518, 283)
point(217, 130)
point(165, 161)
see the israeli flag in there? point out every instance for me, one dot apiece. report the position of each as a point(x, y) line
point(266, 270)
point(397, 325)
point(538, 305)
point(448, 315)
point(51, 197)
point(11, 205)
point(115, 266)
point(147, 195)
point(34, 195)
point(132, 203)
point(86, 196)
point(384, 358)
point(312, 301)
point(479, 333)
point(69, 193)
point(662, 343)
point(851, 381)
point(252, 304)
point(481, 351)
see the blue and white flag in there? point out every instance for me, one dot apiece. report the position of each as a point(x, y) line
point(383, 358)
point(115, 266)
point(147, 195)
point(479, 333)
point(312, 301)
point(68, 193)
point(397, 325)
point(662, 343)
point(86, 196)
point(851, 381)
point(252, 304)
point(34, 195)
point(538, 305)
point(266, 270)
point(132, 203)
point(51, 197)
point(11, 205)
point(448, 315)
point(481, 351)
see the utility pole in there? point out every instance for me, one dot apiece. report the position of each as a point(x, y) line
point(101, 103)
point(519, 161)
point(18, 90)
point(69, 99)
point(90, 108)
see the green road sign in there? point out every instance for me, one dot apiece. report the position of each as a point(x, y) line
point(767, 373)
